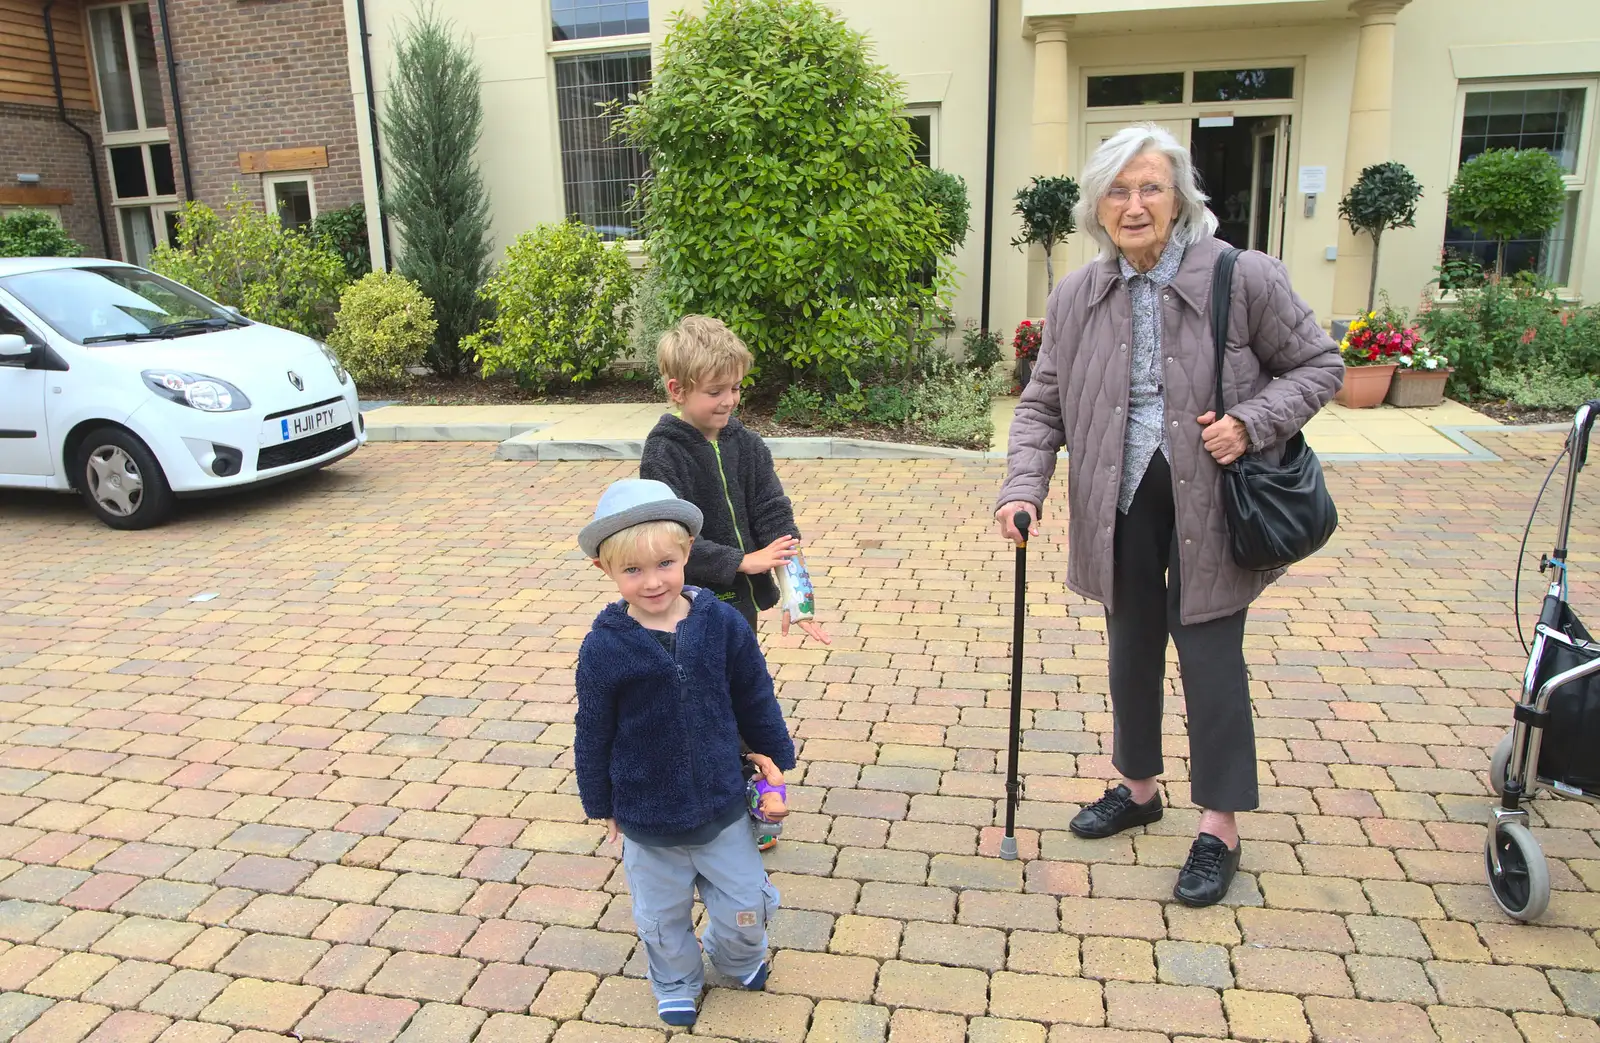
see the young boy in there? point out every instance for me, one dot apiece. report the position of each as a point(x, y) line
point(725, 469)
point(670, 684)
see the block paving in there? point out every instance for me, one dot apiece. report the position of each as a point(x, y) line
point(298, 766)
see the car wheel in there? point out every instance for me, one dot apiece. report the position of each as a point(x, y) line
point(121, 481)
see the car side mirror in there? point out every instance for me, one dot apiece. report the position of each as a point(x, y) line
point(13, 346)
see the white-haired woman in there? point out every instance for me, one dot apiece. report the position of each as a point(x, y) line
point(1126, 379)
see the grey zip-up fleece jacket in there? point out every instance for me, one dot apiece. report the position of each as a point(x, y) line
point(733, 482)
point(1279, 368)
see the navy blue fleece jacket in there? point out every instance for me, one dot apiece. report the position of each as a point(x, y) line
point(657, 744)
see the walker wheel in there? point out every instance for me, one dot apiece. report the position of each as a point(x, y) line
point(1523, 885)
point(1499, 763)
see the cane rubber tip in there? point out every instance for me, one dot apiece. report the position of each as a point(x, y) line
point(1008, 848)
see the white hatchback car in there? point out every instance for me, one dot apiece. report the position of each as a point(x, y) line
point(133, 389)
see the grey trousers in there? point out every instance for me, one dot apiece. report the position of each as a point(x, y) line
point(738, 897)
point(1216, 686)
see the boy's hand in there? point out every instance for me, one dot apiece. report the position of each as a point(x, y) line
point(770, 557)
point(611, 830)
point(768, 770)
point(812, 628)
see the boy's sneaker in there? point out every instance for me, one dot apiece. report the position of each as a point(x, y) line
point(679, 1013)
point(766, 842)
point(758, 979)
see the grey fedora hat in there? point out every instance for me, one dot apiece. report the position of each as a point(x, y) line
point(634, 501)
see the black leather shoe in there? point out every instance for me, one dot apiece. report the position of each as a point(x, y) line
point(1205, 876)
point(1115, 812)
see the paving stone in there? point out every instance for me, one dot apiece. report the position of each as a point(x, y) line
point(624, 1001)
point(871, 936)
point(1282, 929)
point(129, 1026)
point(1112, 916)
point(420, 976)
point(1357, 1021)
point(1002, 1030)
point(127, 984)
point(755, 1016)
point(943, 989)
point(443, 1023)
point(1389, 979)
point(1038, 953)
point(908, 1025)
point(284, 914)
point(1290, 970)
point(273, 957)
point(18, 1011)
point(1193, 963)
point(347, 1017)
point(824, 976)
point(835, 1022)
point(506, 987)
point(1164, 1008)
point(1537, 946)
point(66, 1022)
point(565, 994)
point(516, 1028)
point(1501, 988)
point(143, 938)
point(185, 994)
point(1546, 1028)
point(269, 1006)
point(999, 909)
point(1039, 997)
point(799, 929)
point(1580, 992)
point(904, 902)
point(980, 947)
point(25, 921)
point(437, 933)
point(69, 976)
point(1265, 1016)
point(347, 967)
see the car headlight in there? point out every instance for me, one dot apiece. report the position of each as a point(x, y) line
point(207, 394)
point(333, 360)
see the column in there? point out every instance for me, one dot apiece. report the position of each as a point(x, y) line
point(1367, 141)
point(1051, 78)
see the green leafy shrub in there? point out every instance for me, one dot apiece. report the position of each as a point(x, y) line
point(1383, 197)
point(246, 259)
point(344, 231)
point(431, 128)
point(889, 405)
point(1518, 327)
point(34, 233)
point(798, 405)
point(983, 348)
point(1546, 384)
point(1507, 194)
point(651, 318)
point(1045, 207)
point(385, 324)
point(947, 194)
point(562, 301)
point(783, 197)
point(952, 405)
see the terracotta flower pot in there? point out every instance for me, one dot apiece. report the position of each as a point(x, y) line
point(1417, 388)
point(1365, 386)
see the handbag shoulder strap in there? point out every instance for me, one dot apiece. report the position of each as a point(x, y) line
point(1221, 297)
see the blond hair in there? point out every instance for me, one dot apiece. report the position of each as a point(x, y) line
point(644, 542)
point(700, 349)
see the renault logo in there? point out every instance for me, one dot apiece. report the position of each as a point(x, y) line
point(294, 378)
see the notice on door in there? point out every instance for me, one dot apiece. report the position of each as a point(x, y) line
point(1313, 181)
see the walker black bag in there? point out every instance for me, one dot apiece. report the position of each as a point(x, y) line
point(1570, 749)
point(1277, 513)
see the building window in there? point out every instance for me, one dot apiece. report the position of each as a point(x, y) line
point(293, 199)
point(1243, 84)
point(602, 173)
point(588, 19)
point(1148, 88)
point(924, 146)
point(1549, 117)
point(125, 63)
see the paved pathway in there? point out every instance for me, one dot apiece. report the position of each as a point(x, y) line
point(1336, 431)
point(300, 763)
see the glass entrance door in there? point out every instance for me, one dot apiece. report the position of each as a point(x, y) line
point(1268, 190)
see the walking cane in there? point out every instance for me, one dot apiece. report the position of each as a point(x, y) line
point(1008, 843)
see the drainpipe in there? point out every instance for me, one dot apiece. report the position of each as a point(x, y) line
point(177, 105)
point(372, 122)
point(988, 174)
point(88, 139)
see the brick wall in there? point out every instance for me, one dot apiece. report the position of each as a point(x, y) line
point(34, 141)
point(262, 74)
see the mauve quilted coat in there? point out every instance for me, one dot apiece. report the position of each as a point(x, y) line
point(1280, 368)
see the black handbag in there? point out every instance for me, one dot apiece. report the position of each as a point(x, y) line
point(1277, 513)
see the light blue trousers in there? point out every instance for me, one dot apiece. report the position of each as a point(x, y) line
point(738, 897)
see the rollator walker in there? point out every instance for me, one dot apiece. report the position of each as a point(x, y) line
point(1554, 744)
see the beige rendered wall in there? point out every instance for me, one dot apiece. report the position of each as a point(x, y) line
point(1481, 41)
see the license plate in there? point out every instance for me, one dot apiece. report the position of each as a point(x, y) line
point(305, 423)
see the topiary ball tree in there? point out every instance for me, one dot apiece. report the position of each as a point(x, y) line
point(783, 197)
point(1045, 207)
point(1508, 194)
point(1383, 197)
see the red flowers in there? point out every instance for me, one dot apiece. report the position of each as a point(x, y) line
point(1027, 339)
point(1378, 340)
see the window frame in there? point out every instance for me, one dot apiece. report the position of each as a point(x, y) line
point(1251, 107)
point(605, 42)
point(1578, 183)
point(932, 112)
point(591, 48)
point(269, 191)
point(144, 132)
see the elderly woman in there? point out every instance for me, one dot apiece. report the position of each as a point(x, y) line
point(1126, 379)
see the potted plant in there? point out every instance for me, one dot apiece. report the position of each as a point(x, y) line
point(1371, 350)
point(1025, 345)
point(1383, 197)
point(1420, 378)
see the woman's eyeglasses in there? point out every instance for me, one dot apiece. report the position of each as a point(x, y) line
point(1147, 193)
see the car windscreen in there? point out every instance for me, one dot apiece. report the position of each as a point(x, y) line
point(112, 304)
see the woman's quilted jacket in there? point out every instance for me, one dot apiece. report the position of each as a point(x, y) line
point(1280, 368)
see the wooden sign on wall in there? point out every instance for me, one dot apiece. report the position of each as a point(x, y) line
point(35, 197)
point(271, 160)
